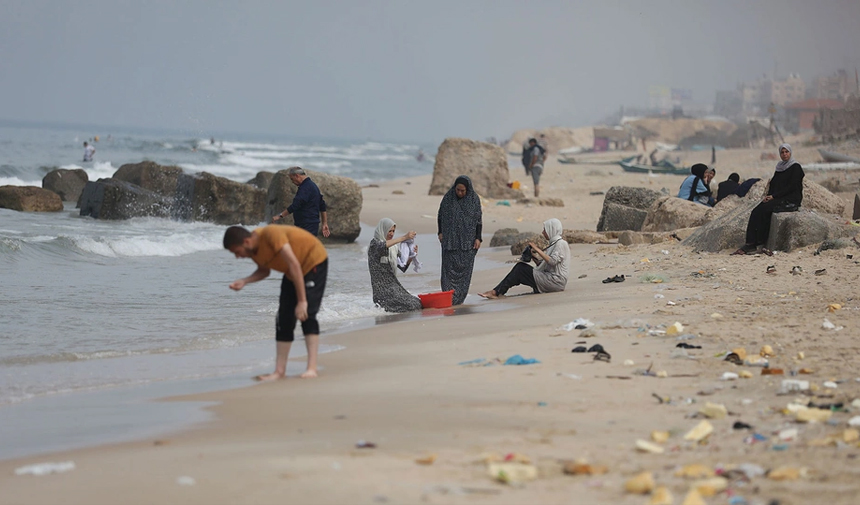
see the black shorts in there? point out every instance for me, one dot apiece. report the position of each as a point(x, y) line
point(285, 322)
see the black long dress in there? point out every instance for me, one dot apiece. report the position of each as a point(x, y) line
point(786, 188)
point(460, 223)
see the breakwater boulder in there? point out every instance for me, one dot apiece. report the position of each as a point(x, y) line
point(486, 164)
point(669, 213)
point(342, 197)
point(67, 183)
point(113, 199)
point(29, 199)
point(625, 208)
point(152, 190)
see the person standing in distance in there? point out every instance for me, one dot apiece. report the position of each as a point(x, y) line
point(303, 260)
point(538, 155)
point(89, 151)
point(308, 207)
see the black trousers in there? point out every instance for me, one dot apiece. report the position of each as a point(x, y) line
point(285, 321)
point(522, 273)
point(758, 227)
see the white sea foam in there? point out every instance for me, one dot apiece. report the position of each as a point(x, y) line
point(15, 181)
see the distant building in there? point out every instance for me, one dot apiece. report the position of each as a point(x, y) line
point(836, 86)
point(606, 139)
point(757, 96)
point(790, 89)
point(801, 116)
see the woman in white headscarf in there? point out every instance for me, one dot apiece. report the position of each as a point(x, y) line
point(388, 293)
point(552, 270)
point(784, 194)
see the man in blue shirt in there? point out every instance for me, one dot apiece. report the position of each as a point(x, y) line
point(308, 206)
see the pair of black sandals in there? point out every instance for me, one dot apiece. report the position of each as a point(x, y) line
point(617, 278)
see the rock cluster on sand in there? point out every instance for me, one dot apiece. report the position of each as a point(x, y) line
point(67, 183)
point(29, 199)
point(486, 164)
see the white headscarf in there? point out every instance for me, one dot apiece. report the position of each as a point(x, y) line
point(381, 233)
point(553, 229)
point(783, 165)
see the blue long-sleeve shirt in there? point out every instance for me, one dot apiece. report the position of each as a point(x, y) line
point(307, 205)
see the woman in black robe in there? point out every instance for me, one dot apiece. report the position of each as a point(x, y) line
point(784, 194)
point(459, 228)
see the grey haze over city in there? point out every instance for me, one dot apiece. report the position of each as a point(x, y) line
point(396, 70)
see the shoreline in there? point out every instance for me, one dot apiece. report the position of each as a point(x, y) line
point(402, 387)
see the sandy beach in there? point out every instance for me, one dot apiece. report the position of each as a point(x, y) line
point(401, 385)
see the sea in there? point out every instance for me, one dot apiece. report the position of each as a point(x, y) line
point(98, 318)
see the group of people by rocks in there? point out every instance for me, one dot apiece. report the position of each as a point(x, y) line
point(784, 194)
point(296, 252)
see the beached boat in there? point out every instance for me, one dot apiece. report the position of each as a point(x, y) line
point(663, 168)
point(834, 157)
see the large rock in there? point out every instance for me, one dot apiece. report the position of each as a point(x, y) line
point(815, 197)
point(789, 230)
point(625, 208)
point(151, 176)
point(792, 230)
point(67, 183)
point(508, 236)
point(670, 213)
point(569, 236)
point(113, 199)
point(342, 197)
point(262, 180)
point(29, 199)
point(219, 200)
point(486, 164)
point(198, 197)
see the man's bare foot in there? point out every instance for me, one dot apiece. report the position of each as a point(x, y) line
point(490, 295)
point(309, 374)
point(269, 377)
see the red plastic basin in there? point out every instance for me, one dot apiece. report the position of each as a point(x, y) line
point(438, 300)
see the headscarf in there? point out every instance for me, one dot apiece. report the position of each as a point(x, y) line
point(459, 218)
point(381, 233)
point(783, 165)
point(553, 229)
point(699, 170)
point(734, 177)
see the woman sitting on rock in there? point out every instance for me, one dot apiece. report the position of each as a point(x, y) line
point(388, 293)
point(695, 187)
point(553, 266)
point(784, 194)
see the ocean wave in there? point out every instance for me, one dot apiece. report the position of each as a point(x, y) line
point(356, 156)
point(140, 246)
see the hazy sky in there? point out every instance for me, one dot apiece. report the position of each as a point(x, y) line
point(398, 70)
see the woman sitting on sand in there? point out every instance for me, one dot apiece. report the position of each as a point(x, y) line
point(459, 228)
point(388, 293)
point(784, 194)
point(553, 266)
point(695, 187)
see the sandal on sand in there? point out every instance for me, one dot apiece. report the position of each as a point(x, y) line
point(745, 249)
point(607, 280)
point(617, 278)
point(765, 250)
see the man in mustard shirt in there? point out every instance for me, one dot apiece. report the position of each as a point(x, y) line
point(303, 260)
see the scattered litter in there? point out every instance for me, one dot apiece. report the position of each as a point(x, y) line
point(512, 473)
point(363, 444)
point(659, 436)
point(739, 425)
point(659, 296)
point(583, 468)
point(772, 371)
point(671, 304)
point(788, 435)
point(578, 324)
point(711, 486)
point(694, 471)
point(716, 315)
point(751, 470)
point(693, 498)
point(756, 361)
point(830, 385)
point(579, 348)
point(786, 473)
point(589, 333)
point(699, 432)
point(833, 307)
point(827, 325)
point(427, 460)
point(506, 203)
point(646, 446)
point(596, 348)
point(684, 345)
point(854, 421)
point(729, 376)
point(570, 376)
point(186, 481)
point(796, 270)
point(45, 468)
point(661, 496)
point(477, 361)
point(823, 270)
point(653, 279)
point(602, 356)
point(766, 351)
point(629, 362)
point(675, 330)
point(661, 374)
point(714, 410)
point(800, 355)
point(812, 415)
point(790, 385)
point(664, 251)
point(642, 483)
point(516, 359)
